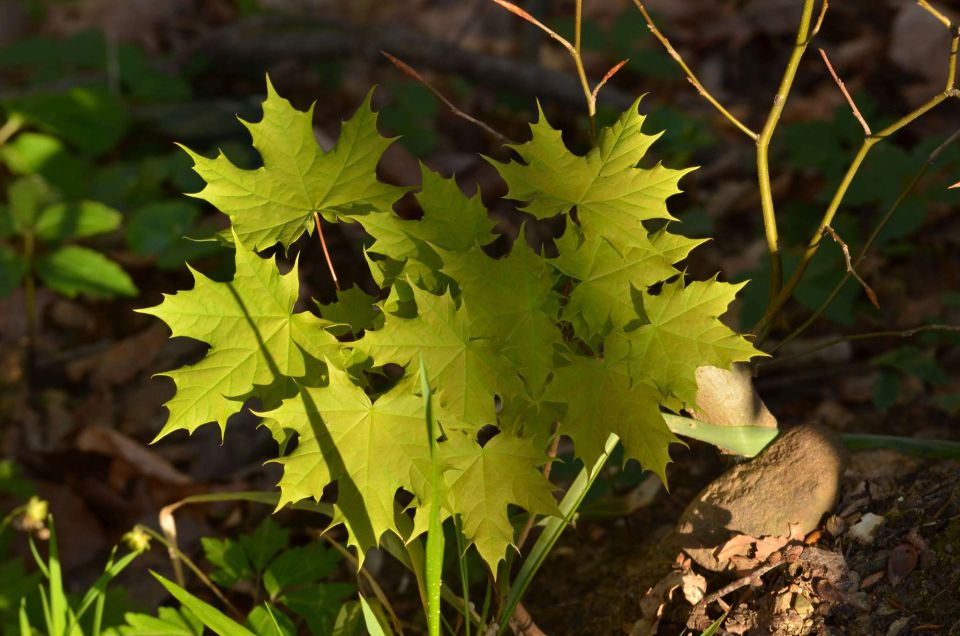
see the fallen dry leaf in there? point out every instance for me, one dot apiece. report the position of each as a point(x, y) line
point(692, 585)
point(107, 441)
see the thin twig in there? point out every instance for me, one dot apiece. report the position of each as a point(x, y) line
point(931, 158)
point(691, 77)
point(326, 253)
point(613, 71)
point(573, 50)
point(902, 333)
point(823, 13)
point(743, 581)
point(577, 25)
point(944, 20)
point(846, 94)
point(952, 65)
point(850, 269)
point(411, 72)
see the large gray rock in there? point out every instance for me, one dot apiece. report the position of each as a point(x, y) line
point(795, 480)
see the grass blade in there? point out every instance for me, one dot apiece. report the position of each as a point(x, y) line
point(373, 624)
point(435, 538)
point(928, 448)
point(553, 527)
point(58, 598)
point(218, 622)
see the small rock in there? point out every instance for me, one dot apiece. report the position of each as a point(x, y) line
point(835, 526)
point(865, 530)
point(794, 481)
point(903, 559)
point(728, 398)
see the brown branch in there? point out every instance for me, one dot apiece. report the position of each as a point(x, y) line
point(522, 623)
point(846, 94)
point(408, 70)
point(903, 333)
point(850, 269)
point(691, 77)
point(823, 13)
point(326, 253)
point(613, 71)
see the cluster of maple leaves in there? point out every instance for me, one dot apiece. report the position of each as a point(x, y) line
point(494, 333)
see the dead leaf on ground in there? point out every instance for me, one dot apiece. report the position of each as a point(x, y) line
point(692, 585)
point(106, 441)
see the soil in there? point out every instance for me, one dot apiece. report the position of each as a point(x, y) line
point(828, 584)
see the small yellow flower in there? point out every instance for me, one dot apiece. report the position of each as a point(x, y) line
point(137, 540)
point(35, 514)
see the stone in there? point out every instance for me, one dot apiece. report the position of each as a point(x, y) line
point(728, 398)
point(795, 480)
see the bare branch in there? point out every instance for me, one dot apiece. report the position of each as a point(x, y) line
point(823, 13)
point(929, 8)
point(613, 71)
point(850, 269)
point(690, 74)
point(411, 72)
point(846, 94)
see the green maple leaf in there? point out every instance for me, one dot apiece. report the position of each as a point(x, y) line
point(679, 332)
point(466, 370)
point(276, 202)
point(451, 221)
point(602, 300)
point(352, 312)
point(612, 196)
point(510, 300)
point(370, 448)
point(485, 481)
point(601, 398)
point(255, 339)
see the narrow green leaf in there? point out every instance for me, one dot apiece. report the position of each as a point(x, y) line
point(552, 530)
point(59, 607)
point(210, 616)
point(374, 626)
point(435, 538)
point(746, 441)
